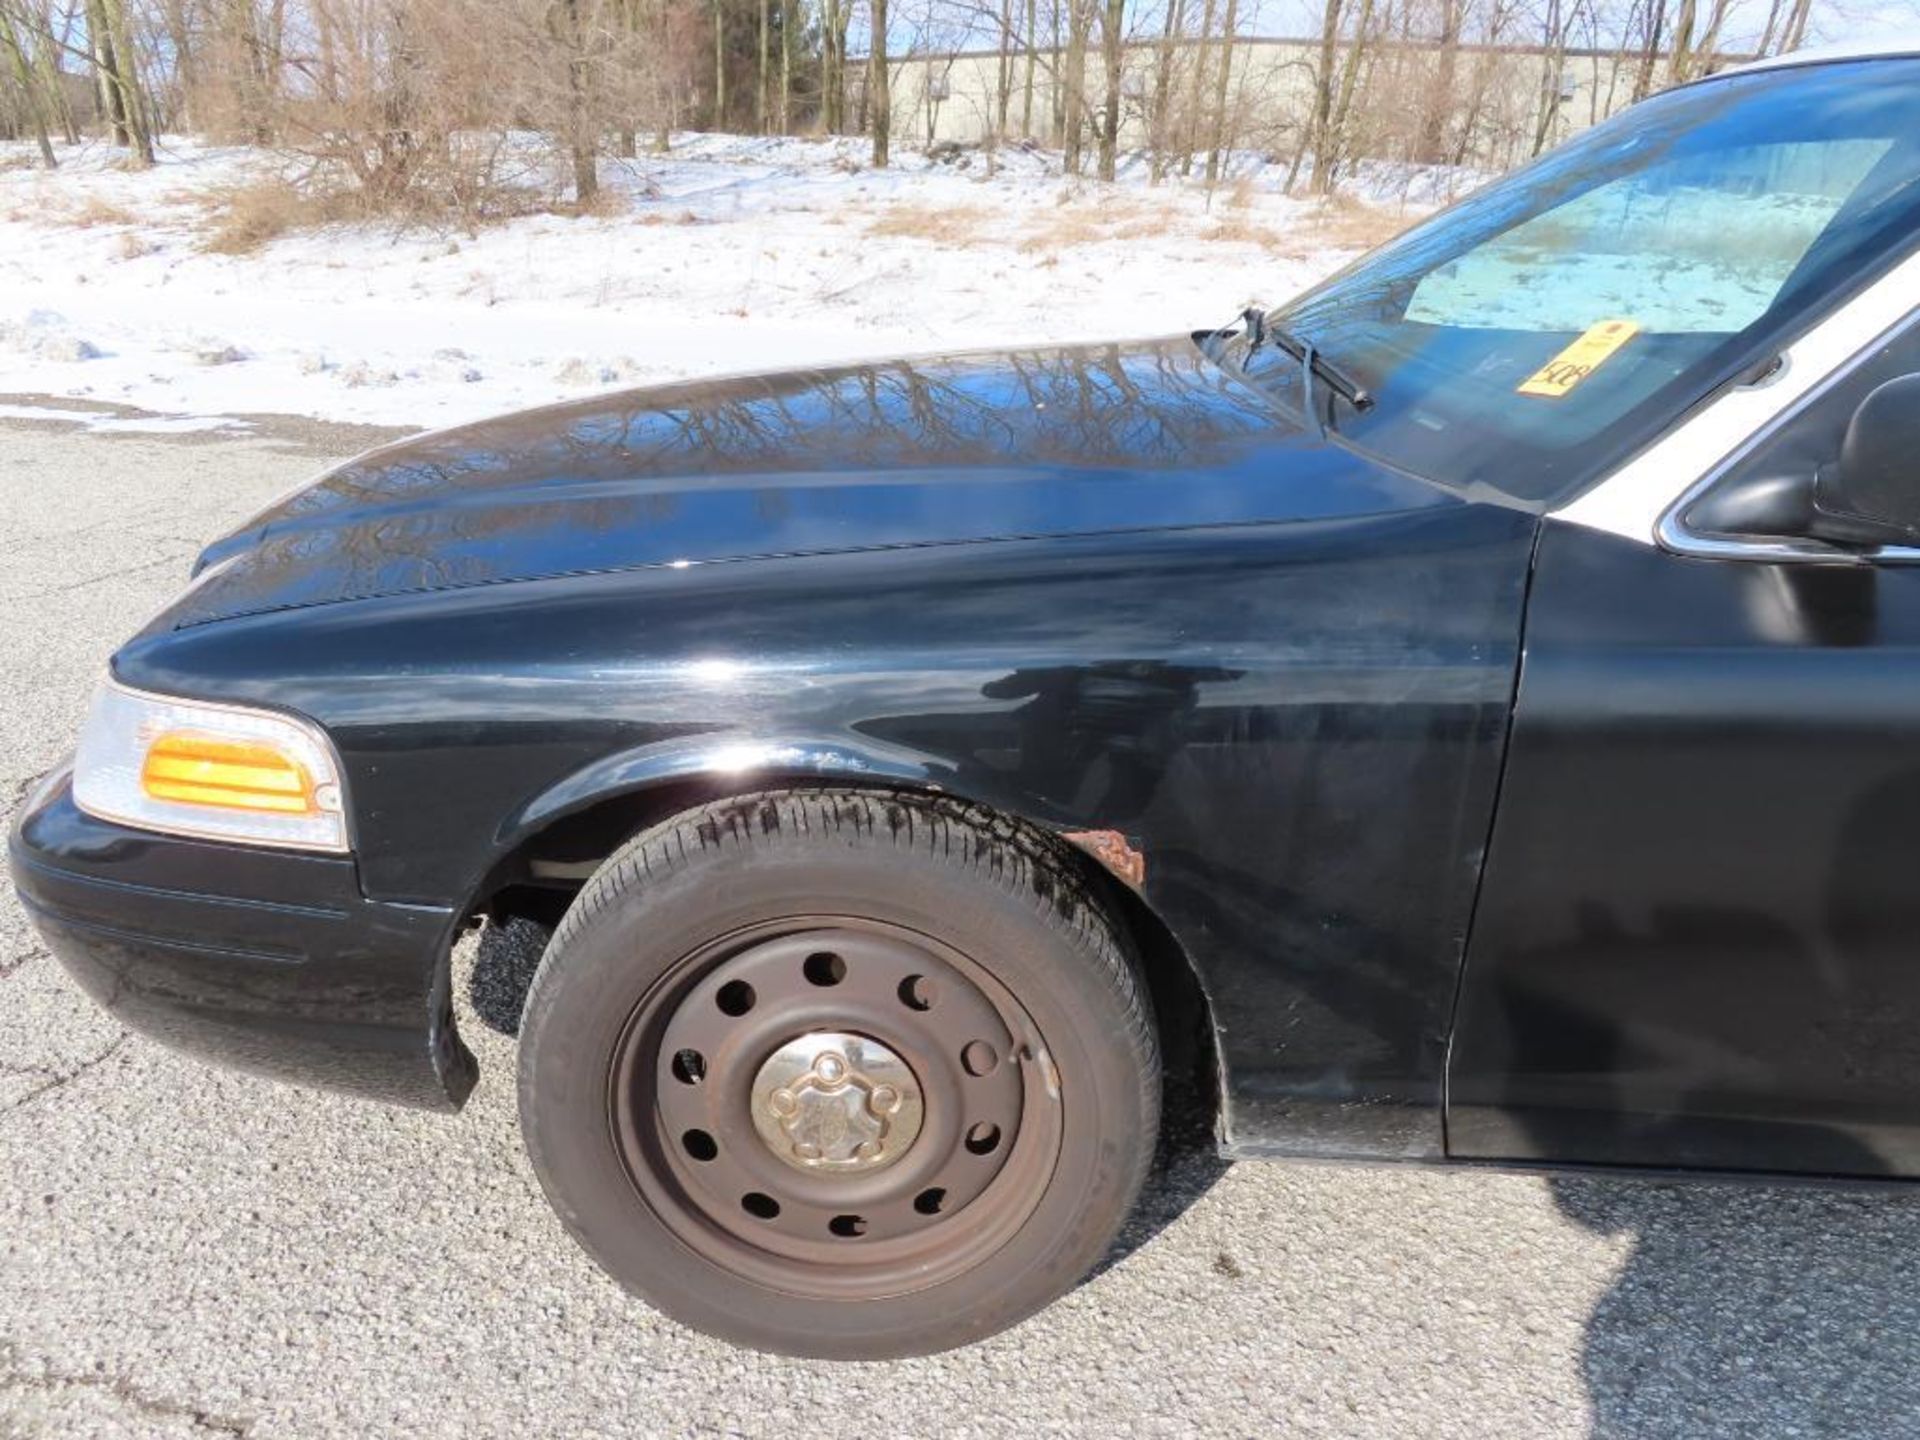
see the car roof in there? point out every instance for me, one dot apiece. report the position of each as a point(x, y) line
point(1888, 45)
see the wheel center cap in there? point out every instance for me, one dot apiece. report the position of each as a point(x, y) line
point(836, 1102)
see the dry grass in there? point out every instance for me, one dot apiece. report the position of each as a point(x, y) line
point(1245, 230)
point(245, 217)
point(94, 211)
point(240, 219)
point(1080, 219)
point(1340, 223)
point(1242, 194)
point(1071, 223)
point(1095, 225)
point(1110, 217)
point(956, 225)
point(603, 204)
point(1348, 224)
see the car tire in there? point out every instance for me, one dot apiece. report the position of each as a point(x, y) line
point(840, 1074)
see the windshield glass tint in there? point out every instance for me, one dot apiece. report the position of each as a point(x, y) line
point(1532, 336)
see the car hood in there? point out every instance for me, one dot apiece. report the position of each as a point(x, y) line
point(928, 452)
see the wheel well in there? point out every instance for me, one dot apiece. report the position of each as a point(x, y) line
point(539, 877)
point(538, 880)
point(1182, 1013)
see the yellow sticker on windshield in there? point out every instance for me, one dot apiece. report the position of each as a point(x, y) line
point(1579, 360)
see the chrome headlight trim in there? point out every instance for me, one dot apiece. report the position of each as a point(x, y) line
point(122, 724)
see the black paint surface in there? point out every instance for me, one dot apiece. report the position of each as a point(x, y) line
point(1697, 940)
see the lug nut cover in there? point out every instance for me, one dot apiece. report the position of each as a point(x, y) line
point(833, 1102)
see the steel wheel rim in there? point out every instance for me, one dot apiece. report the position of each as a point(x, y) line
point(986, 1144)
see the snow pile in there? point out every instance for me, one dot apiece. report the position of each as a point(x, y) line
point(729, 253)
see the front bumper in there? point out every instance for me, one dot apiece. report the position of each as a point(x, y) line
point(266, 960)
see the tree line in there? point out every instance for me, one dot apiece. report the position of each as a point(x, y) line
point(431, 104)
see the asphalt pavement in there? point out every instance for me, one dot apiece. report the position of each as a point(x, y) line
point(185, 1252)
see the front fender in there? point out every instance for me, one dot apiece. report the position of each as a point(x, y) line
point(728, 760)
point(1298, 727)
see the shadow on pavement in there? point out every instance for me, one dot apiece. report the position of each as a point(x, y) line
point(1754, 1311)
point(1186, 1165)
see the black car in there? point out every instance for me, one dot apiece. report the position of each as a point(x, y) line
point(1469, 714)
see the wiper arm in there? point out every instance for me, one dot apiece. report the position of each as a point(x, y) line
point(1312, 362)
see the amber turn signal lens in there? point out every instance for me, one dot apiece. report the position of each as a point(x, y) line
point(211, 770)
point(194, 769)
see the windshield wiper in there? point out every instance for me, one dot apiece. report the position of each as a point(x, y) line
point(1313, 365)
point(1312, 361)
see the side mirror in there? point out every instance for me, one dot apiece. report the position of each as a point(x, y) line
point(1871, 494)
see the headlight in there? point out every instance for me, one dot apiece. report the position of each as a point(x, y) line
point(221, 772)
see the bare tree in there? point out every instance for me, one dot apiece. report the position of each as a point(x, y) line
point(1072, 86)
point(1313, 136)
point(1772, 26)
point(835, 16)
point(1333, 140)
point(424, 108)
point(1160, 118)
point(1653, 18)
point(719, 64)
point(1190, 141)
point(879, 98)
point(28, 83)
point(576, 115)
point(1112, 39)
point(1440, 97)
point(1219, 125)
point(1708, 53)
point(116, 70)
point(1026, 101)
point(1680, 48)
point(1003, 71)
point(786, 69)
point(1795, 33)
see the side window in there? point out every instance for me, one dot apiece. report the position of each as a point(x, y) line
point(1771, 491)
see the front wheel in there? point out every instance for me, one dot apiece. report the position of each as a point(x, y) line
point(840, 1074)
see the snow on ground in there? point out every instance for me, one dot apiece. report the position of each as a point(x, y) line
point(729, 253)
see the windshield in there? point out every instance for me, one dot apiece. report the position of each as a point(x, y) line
point(1532, 336)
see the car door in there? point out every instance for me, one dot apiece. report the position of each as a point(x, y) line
point(1697, 942)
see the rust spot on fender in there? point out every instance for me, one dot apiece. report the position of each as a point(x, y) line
point(1111, 849)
